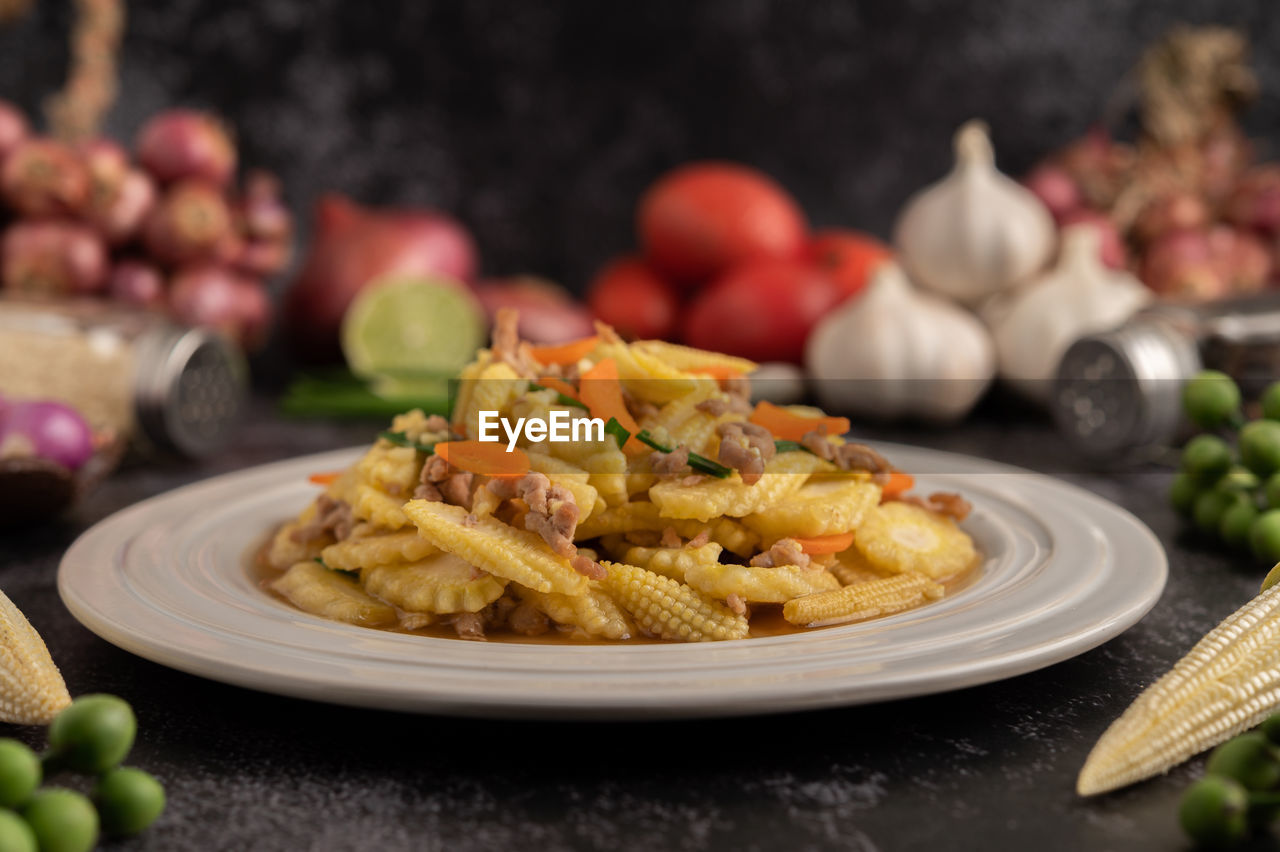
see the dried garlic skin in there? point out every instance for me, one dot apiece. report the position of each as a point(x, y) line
point(1226, 684)
point(32, 691)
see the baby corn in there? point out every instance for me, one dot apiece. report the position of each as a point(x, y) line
point(32, 691)
point(862, 600)
point(667, 608)
point(1229, 682)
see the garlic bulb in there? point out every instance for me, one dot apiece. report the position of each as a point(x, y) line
point(976, 231)
point(895, 351)
point(1078, 296)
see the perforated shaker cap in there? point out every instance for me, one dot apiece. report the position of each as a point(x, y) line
point(1117, 395)
point(191, 389)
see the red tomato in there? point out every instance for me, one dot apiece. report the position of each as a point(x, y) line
point(849, 257)
point(632, 298)
point(762, 310)
point(703, 218)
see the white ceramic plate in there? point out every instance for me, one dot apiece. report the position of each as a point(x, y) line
point(168, 579)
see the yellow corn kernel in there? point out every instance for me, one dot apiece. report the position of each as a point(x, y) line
point(711, 497)
point(1226, 684)
point(441, 584)
point(673, 562)
point(594, 613)
point(778, 584)
point(315, 589)
point(669, 609)
point(356, 553)
point(380, 509)
point(642, 515)
point(898, 537)
point(862, 600)
point(687, 358)
point(826, 505)
point(500, 549)
point(32, 691)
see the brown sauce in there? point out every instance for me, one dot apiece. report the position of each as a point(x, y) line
point(766, 619)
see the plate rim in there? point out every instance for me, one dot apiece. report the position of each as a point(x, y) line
point(766, 698)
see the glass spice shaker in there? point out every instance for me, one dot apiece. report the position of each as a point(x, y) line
point(131, 374)
point(1117, 396)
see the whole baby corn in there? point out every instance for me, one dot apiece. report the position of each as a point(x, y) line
point(862, 600)
point(669, 609)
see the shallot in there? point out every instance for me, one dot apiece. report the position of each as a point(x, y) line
point(54, 431)
point(1255, 202)
point(215, 297)
point(190, 223)
point(548, 314)
point(43, 178)
point(1055, 186)
point(53, 257)
point(13, 128)
point(1181, 264)
point(136, 282)
point(183, 143)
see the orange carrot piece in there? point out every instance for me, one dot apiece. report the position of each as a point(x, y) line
point(487, 458)
point(558, 385)
point(601, 392)
point(565, 353)
point(719, 372)
point(785, 426)
point(324, 478)
point(826, 543)
point(899, 483)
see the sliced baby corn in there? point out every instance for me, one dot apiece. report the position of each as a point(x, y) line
point(381, 510)
point(900, 537)
point(441, 584)
point(356, 553)
point(32, 691)
point(852, 567)
point(671, 610)
point(594, 613)
point(862, 600)
point(712, 497)
point(643, 515)
point(1227, 683)
point(826, 505)
point(689, 359)
point(329, 594)
point(777, 584)
point(674, 562)
point(502, 550)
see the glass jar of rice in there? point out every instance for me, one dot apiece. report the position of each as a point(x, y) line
point(131, 374)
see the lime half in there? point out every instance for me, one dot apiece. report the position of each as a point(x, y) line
point(412, 329)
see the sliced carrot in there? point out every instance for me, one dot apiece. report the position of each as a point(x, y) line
point(899, 483)
point(487, 458)
point(601, 392)
point(826, 543)
point(559, 386)
point(565, 353)
point(786, 426)
point(324, 478)
point(719, 372)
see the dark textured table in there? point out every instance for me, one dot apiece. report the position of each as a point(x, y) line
point(984, 768)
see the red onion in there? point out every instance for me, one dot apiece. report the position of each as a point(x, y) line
point(353, 246)
point(181, 143)
point(1111, 248)
point(43, 178)
point(215, 297)
point(1172, 212)
point(1241, 259)
point(548, 314)
point(53, 257)
point(56, 431)
point(261, 214)
point(136, 282)
point(119, 217)
point(1181, 264)
point(191, 222)
point(1255, 201)
point(13, 128)
point(1056, 187)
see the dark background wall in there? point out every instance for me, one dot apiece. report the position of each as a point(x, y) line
point(539, 123)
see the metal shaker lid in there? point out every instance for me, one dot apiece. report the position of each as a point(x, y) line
point(191, 389)
point(1119, 392)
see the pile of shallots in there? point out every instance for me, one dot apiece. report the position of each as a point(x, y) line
point(168, 230)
